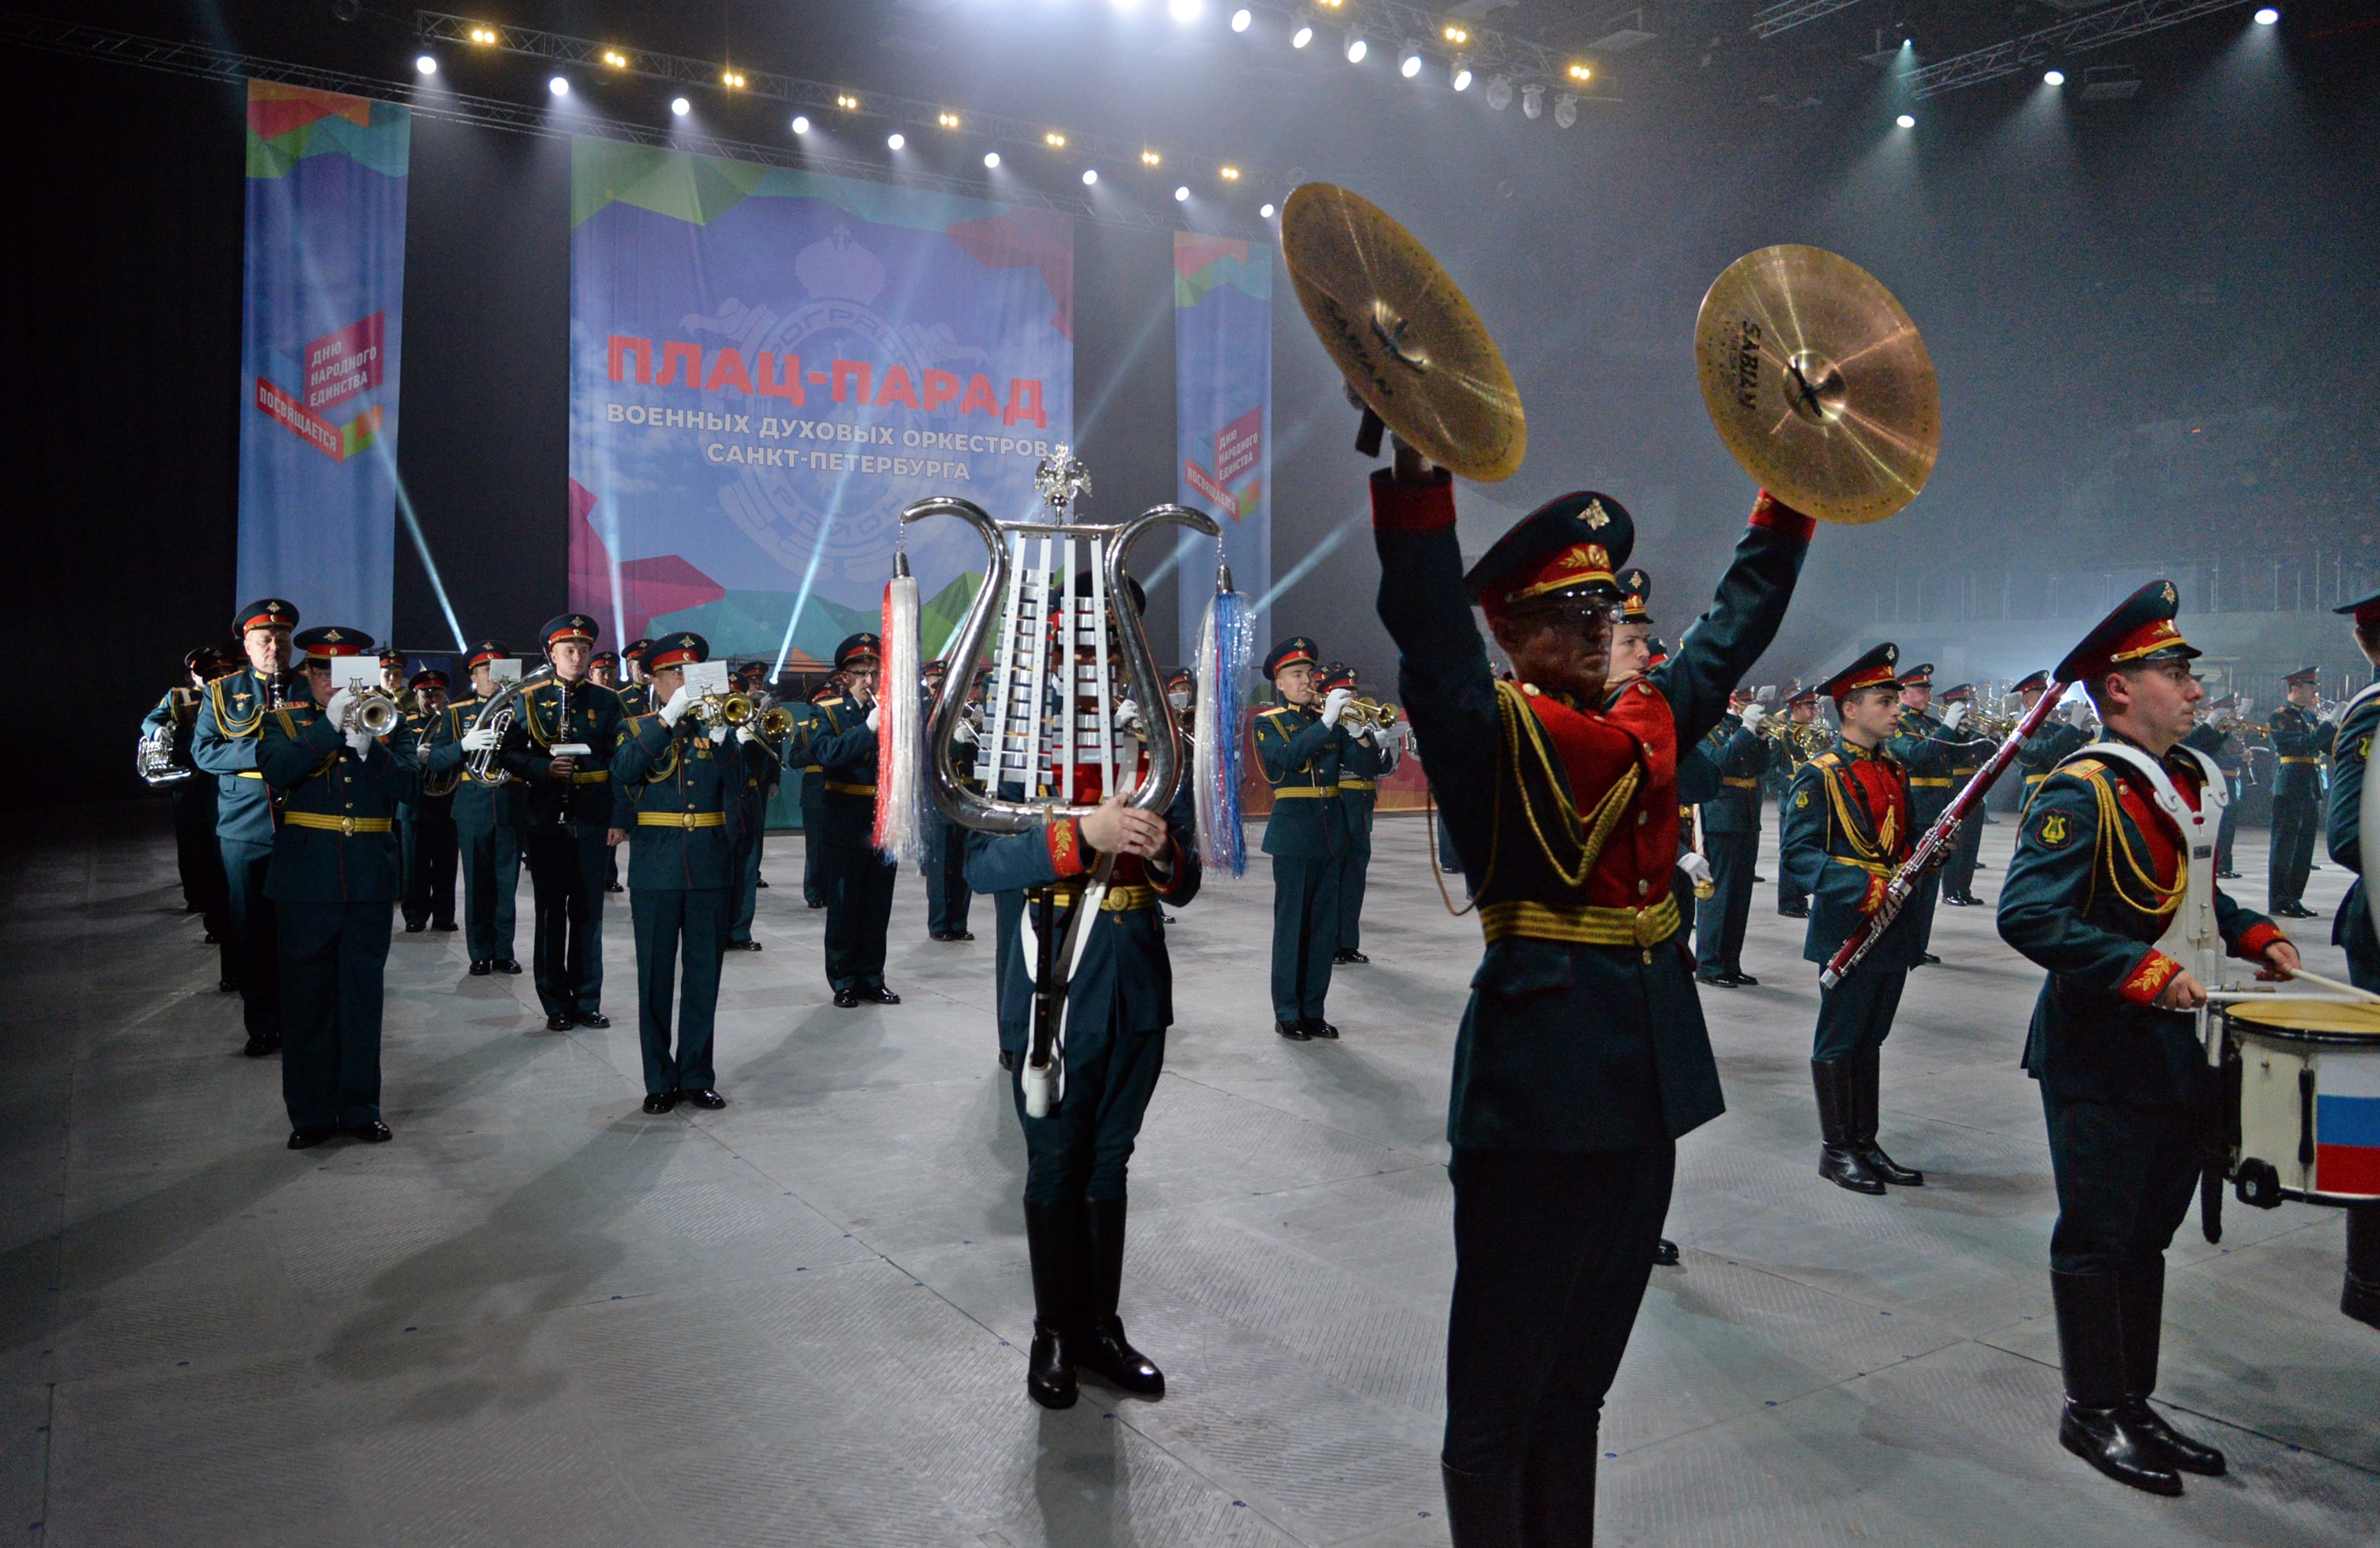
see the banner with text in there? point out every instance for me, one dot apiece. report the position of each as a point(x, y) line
point(767, 365)
point(1222, 416)
point(319, 343)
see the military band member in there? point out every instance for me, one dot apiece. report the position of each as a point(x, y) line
point(1801, 709)
point(334, 883)
point(947, 894)
point(683, 782)
point(430, 843)
point(571, 821)
point(1181, 693)
point(1368, 757)
point(1730, 834)
point(759, 769)
point(1967, 755)
point(2298, 741)
point(197, 856)
point(634, 690)
point(1923, 745)
point(856, 878)
point(2351, 764)
point(491, 819)
point(2051, 741)
point(1299, 743)
point(1850, 823)
point(813, 796)
point(2100, 873)
point(2215, 736)
point(224, 745)
point(1583, 1056)
point(603, 669)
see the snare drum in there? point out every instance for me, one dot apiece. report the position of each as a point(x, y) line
point(2308, 1099)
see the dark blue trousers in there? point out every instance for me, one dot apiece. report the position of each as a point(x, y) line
point(334, 957)
point(947, 895)
point(431, 849)
point(567, 864)
point(1304, 934)
point(2296, 820)
point(255, 935)
point(1719, 924)
point(1354, 869)
point(747, 886)
point(2125, 1177)
point(1081, 1150)
point(673, 925)
point(858, 885)
point(492, 858)
point(1857, 1012)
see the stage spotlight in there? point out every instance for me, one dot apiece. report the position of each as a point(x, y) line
point(1565, 110)
point(1410, 66)
point(1580, 73)
point(1906, 121)
point(1054, 141)
point(1090, 176)
point(1455, 34)
point(614, 58)
point(483, 34)
point(1302, 36)
point(801, 123)
point(1149, 158)
point(1356, 48)
point(425, 65)
point(948, 120)
point(1265, 211)
point(1500, 92)
point(2054, 78)
point(1240, 20)
point(847, 102)
point(1184, 10)
point(558, 86)
point(732, 80)
point(1461, 79)
point(991, 158)
point(680, 106)
point(2266, 16)
point(1230, 175)
point(1532, 100)
point(1182, 196)
point(895, 139)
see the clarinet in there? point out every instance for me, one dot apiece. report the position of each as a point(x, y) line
point(562, 733)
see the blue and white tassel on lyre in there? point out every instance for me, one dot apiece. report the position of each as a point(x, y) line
point(1226, 639)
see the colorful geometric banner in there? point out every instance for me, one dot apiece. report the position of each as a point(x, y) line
point(322, 321)
point(767, 365)
point(1222, 370)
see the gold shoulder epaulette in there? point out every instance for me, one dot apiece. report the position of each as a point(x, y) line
point(1826, 760)
point(2083, 768)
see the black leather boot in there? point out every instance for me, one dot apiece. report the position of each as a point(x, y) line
point(1558, 1483)
point(2096, 1425)
point(1050, 1232)
point(1866, 1072)
point(2359, 1298)
point(2142, 1290)
point(1483, 1510)
point(1103, 1349)
point(1839, 1162)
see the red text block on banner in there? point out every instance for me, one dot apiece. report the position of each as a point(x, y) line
point(317, 432)
point(1239, 444)
point(340, 365)
point(1204, 482)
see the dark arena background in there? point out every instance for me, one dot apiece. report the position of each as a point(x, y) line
point(2141, 243)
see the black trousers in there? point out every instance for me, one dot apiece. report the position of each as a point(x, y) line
point(200, 860)
point(947, 896)
point(2296, 819)
point(1354, 869)
point(1719, 924)
point(1551, 1253)
point(1787, 895)
point(746, 888)
point(2230, 825)
point(1857, 1012)
point(1304, 934)
point(255, 935)
point(858, 883)
point(566, 868)
point(492, 858)
point(431, 848)
point(333, 959)
point(1081, 1150)
point(2125, 1177)
point(666, 921)
point(1959, 872)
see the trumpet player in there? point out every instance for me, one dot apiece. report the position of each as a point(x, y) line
point(1370, 757)
point(491, 819)
point(761, 769)
point(197, 859)
point(856, 879)
point(430, 845)
point(1730, 827)
point(1300, 741)
point(1801, 713)
point(947, 894)
point(224, 743)
point(1925, 743)
point(2214, 736)
point(1967, 755)
point(334, 883)
point(2298, 741)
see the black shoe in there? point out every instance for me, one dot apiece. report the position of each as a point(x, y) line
point(2109, 1442)
point(2186, 1455)
point(557, 1022)
point(1348, 958)
point(876, 994)
point(1103, 1348)
point(817, 903)
point(415, 929)
point(706, 1099)
point(2092, 1353)
point(660, 1102)
point(615, 887)
point(510, 965)
point(1294, 1031)
point(1744, 980)
point(959, 934)
point(1316, 1027)
point(447, 928)
point(481, 969)
point(1007, 1059)
point(760, 881)
point(372, 1134)
point(1049, 1370)
point(845, 1000)
point(211, 939)
point(1951, 900)
point(2298, 911)
point(743, 946)
point(1665, 1253)
point(1927, 959)
point(1867, 1068)
point(307, 1139)
point(2227, 876)
point(2140, 1298)
point(225, 986)
point(1839, 1162)
point(1054, 1239)
point(1106, 1353)
point(1716, 980)
point(1793, 910)
point(595, 1019)
point(262, 1044)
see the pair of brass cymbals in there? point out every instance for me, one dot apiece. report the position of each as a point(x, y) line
point(1814, 376)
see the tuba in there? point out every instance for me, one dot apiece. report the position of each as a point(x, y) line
point(161, 758)
point(498, 715)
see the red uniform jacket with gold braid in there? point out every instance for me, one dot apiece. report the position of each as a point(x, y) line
point(1847, 829)
point(2095, 881)
point(1584, 1032)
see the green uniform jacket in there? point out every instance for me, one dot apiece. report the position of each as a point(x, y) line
point(843, 750)
point(2078, 902)
point(635, 698)
point(1740, 758)
point(1362, 765)
point(479, 807)
point(667, 775)
point(594, 720)
point(1301, 758)
point(230, 718)
point(1925, 748)
point(2350, 757)
point(422, 729)
point(310, 765)
point(2298, 741)
point(1831, 850)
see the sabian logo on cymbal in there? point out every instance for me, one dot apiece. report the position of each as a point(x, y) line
point(1747, 363)
point(1357, 346)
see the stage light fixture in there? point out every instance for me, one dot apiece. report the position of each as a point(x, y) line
point(1240, 20)
point(558, 86)
point(1230, 175)
point(1500, 92)
point(991, 158)
point(1410, 66)
point(2053, 77)
point(1184, 10)
point(732, 80)
point(1532, 100)
point(1906, 121)
point(425, 65)
point(847, 102)
point(1149, 158)
point(801, 123)
point(1581, 72)
point(1454, 34)
point(1055, 141)
point(1091, 176)
point(2266, 16)
point(1302, 36)
point(1356, 48)
point(614, 58)
point(1182, 195)
point(948, 120)
point(1461, 79)
point(1566, 110)
point(895, 140)
point(1265, 211)
point(680, 106)
point(483, 34)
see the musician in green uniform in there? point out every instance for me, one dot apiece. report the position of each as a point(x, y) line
point(2103, 870)
point(858, 880)
point(2299, 742)
point(1924, 746)
point(490, 817)
point(2217, 734)
point(2351, 764)
point(560, 746)
point(813, 796)
point(197, 856)
point(1801, 709)
point(1850, 823)
point(224, 744)
point(683, 782)
point(1299, 742)
point(947, 893)
point(430, 846)
point(608, 670)
point(334, 883)
point(760, 771)
point(1730, 830)
point(2049, 743)
point(1370, 757)
point(635, 689)
point(1967, 755)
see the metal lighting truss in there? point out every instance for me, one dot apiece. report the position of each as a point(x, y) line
point(1392, 24)
point(1769, 20)
point(2095, 29)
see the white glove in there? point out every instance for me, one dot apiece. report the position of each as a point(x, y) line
point(964, 731)
point(1958, 714)
point(480, 739)
point(679, 703)
point(341, 702)
point(719, 732)
point(1752, 714)
point(1339, 700)
point(747, 735)
point(1127, 714)
point(874, 716)
point(1697, 869)
point(359, 740)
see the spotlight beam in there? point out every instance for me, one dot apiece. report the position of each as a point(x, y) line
point(2100, 27)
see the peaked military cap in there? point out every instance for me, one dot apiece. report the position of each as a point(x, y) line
point(860, 645)
point(2303, 674)
point(676, 650)
point(1635, 597)
point(2140, 629)
point(269, 613)
point(485, 652)
point(1921, 674)
point(1291, 651)
point(2033, 681)
point(2365, 610)
point(1657, 652)
point(320, 644)
point(428, 677)
point(205, 658)
point(635, 650)
point(1181, 674)
point(1566, 547)
point(604, 658)
point(1961, 694)
point(2225, 702)
point(571, 626)
point(1802, 696)
point(1871, 670)
point(939, 663)
point(391, 657)
point(1338, 674)
point(752, 672)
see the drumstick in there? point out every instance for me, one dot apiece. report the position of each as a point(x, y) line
point(2334, 984)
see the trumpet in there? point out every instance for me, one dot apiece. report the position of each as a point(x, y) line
point(1369, 715)
point(1807, 738)
point(373, 710)
point(776, 723)
point(1984, 723)
point(728, 709)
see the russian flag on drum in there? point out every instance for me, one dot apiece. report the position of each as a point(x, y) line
point(2347, 1125)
